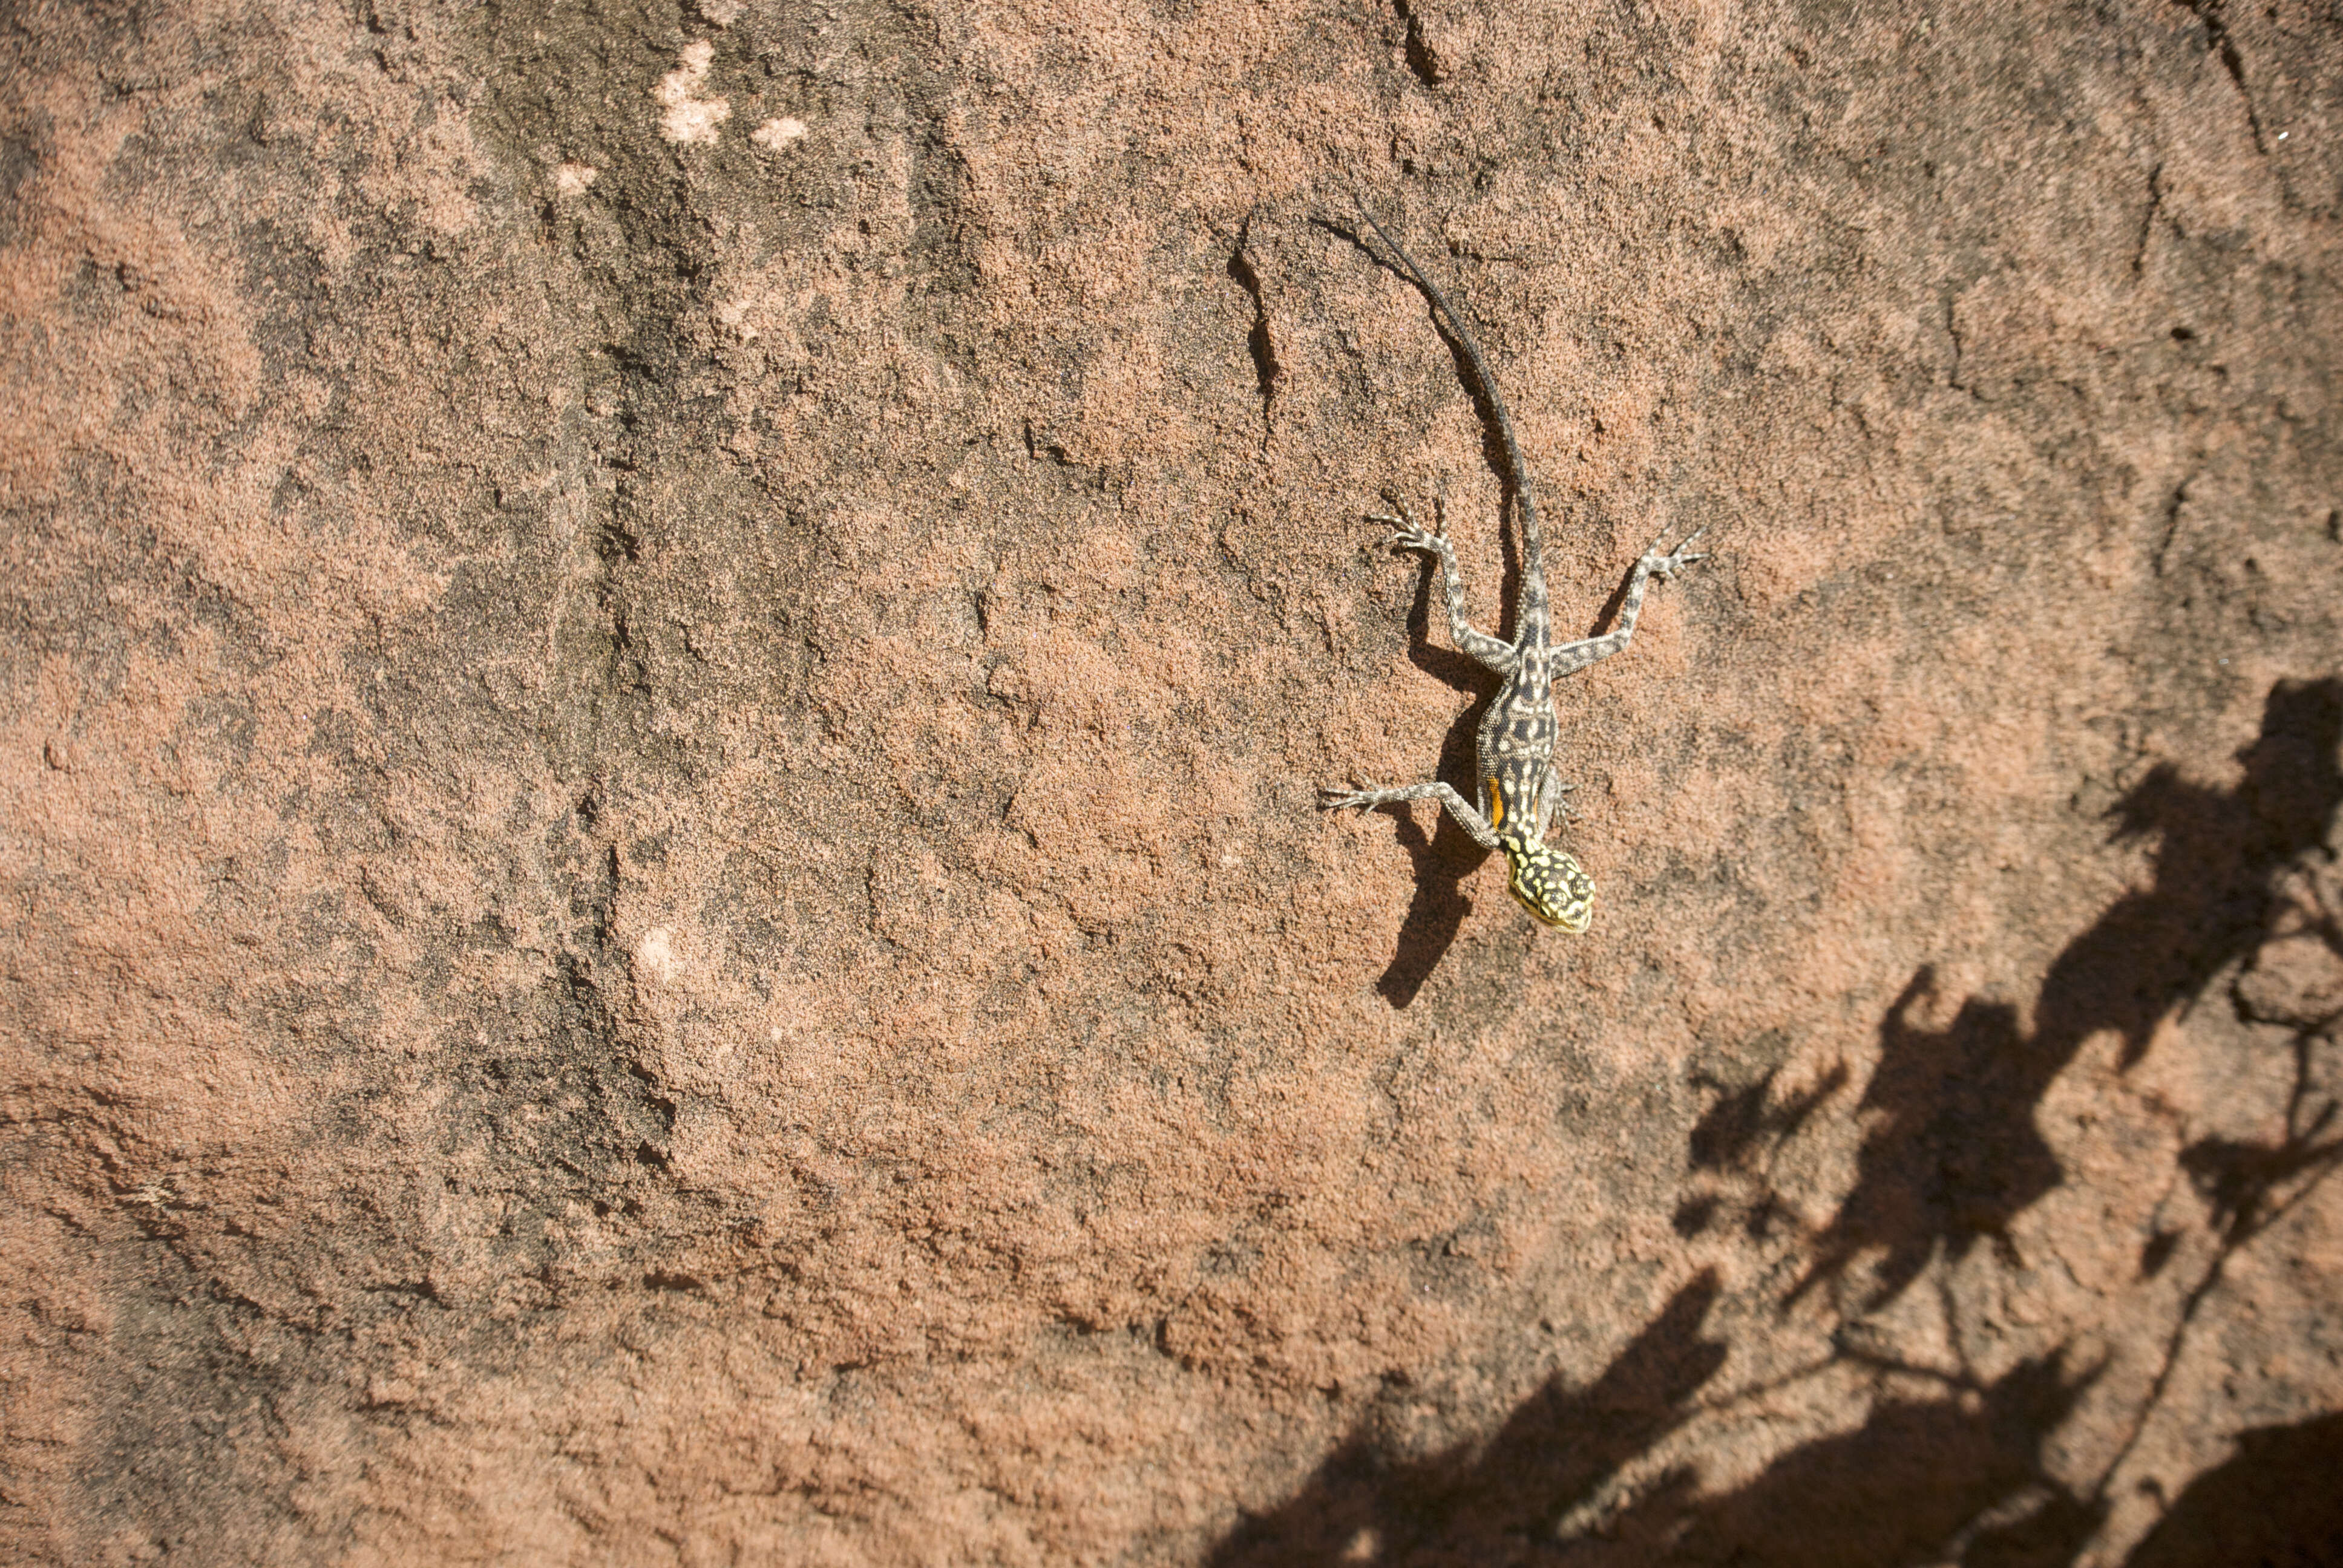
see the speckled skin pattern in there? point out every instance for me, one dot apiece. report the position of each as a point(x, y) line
point(1519, 794)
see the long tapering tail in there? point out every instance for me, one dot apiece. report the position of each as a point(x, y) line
point(1533, 541)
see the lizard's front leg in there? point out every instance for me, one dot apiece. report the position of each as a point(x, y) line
point(1572, 657)
point(1495, 652)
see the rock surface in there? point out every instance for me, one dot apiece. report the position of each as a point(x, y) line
point(664, 676)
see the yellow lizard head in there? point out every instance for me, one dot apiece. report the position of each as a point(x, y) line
point(1550, 885)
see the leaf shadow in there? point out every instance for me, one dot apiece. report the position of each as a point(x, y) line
point(1958, 1477)
point(2277, 1504)
point(1955, 1153)
point(1481, 1503)
point(1944, 1467)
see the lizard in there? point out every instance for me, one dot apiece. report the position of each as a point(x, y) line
point(1519, 793)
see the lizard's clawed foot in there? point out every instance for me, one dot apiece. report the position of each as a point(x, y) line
point(1406, 533)
point(1675, 560)
point(1406, 536)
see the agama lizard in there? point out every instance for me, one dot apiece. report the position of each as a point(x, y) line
point(1519, 794)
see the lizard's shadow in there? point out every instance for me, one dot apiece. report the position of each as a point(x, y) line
point(1446, 856)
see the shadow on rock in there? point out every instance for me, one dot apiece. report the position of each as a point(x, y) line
point(2277, 1504)
point(1955, 1478)
point(1953, 1157)
point(1498, 1501)
point(1446, 856)
point(1956, 1154)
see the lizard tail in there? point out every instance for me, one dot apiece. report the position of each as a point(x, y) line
point(1533, 541)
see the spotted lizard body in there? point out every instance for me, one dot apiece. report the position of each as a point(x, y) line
point(1519, 796)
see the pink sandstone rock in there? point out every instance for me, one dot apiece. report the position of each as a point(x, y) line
point(665, 678)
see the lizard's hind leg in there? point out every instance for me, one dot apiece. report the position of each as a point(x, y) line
point(1467, 818)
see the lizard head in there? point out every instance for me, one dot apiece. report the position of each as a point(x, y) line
point(1550, 885)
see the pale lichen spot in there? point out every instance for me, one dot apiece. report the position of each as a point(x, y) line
point(778, 133)
point(571, 179)
point(655, 956)
point(691, 117)
point(733, 316)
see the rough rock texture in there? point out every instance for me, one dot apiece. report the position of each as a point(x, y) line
point(664, 678)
